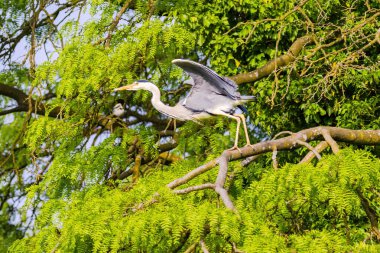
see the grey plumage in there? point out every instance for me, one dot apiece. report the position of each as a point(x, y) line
point(210, 90)
point(210, 95)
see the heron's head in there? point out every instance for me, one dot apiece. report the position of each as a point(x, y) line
point(137, 85)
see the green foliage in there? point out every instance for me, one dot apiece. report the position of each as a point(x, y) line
point(299, 207)
point(240, 36)
point(72, 164)
point(8, 232)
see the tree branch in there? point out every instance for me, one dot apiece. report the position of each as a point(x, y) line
point(195, 188)
point(15, 109)
point(268, 68)
point(296, 140)
point(9, 43)
point(183, 180)
point(14, 93)
point(311, 148)
point(115, 22)
point(371, 214)
point(23, 101)
point(319, 148)
point(203, 246)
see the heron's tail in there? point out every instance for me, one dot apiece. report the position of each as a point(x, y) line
point(244, 99)
point(247, 98)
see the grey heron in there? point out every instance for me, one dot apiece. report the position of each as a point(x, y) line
point(209, 96)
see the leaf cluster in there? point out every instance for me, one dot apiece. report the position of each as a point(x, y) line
point(300, 207)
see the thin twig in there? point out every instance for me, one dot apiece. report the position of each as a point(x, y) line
point(319, 148)
point(274, 158)
point(195, 188)
point(204, 246)
point(116, 22)
point(191, 248)
point(248, 160)
point(311, 148)
point(281, 133)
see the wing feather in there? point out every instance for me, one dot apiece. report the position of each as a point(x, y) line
point(204, 76)
point(207, 85)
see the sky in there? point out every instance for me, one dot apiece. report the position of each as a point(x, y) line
point(18, 56)
point(47, 51)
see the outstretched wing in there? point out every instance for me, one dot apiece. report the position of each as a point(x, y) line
point(209, 88)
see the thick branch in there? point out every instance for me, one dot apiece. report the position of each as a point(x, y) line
point(221, 179)
point(192, 174)
point(268, 68)
point(22, 100)
point(15, 109)
point(361, 137)
point(14, 93)
point(203, 246)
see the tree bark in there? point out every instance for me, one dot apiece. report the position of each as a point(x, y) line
point(281, 61)
point(328, 136)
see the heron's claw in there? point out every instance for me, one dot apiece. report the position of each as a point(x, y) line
point(249, 145)
point(235, 147)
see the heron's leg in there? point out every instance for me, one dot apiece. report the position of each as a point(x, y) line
point(168, 125)
point(237, 132)
point(245, 128)
point(238, 120)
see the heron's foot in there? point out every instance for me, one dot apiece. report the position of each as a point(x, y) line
point(249, 145)
point(234, 148)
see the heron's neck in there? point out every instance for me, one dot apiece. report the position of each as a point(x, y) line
point(157, 103)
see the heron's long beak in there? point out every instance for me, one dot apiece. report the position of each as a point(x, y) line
point(127, 87)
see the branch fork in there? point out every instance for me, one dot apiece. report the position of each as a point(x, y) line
point(327, 135)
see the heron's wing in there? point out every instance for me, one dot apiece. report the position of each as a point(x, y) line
point(208, 86)
point(206, 79)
